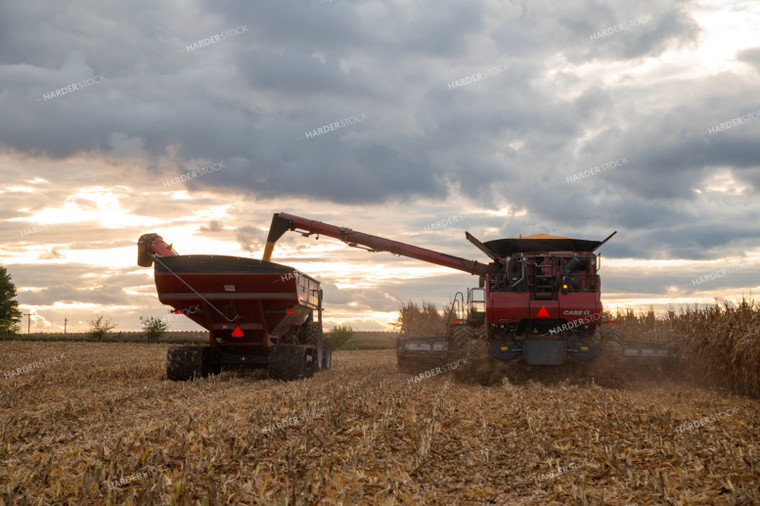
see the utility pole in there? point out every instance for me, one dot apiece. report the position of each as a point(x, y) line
point(29, 321)
point(65, 323)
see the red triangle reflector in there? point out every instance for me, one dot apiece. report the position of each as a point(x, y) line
point(543, 313)
point(237, 332)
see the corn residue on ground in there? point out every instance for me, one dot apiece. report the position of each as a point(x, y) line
point(102, 425)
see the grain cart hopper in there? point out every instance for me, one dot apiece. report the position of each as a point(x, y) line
point(258, 314)
point(538, 298)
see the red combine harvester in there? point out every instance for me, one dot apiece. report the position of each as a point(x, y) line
point(258, 314)
point(538, 299)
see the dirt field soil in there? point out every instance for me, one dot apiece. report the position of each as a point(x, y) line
point(100, 424)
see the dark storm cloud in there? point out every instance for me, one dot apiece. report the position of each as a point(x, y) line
point(179, 103)
point(514, 136)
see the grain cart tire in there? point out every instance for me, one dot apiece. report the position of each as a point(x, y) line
point(316, 338)
point(289, 362)
point(208, 366)
point(311, 361)
point(184, 363)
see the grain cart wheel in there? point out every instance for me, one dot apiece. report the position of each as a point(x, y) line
point(316, 338)
point(291, 361)
point(311, 361)
point(209, 367)
point(184, 362)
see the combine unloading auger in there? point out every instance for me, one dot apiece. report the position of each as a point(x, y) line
point(538, 299)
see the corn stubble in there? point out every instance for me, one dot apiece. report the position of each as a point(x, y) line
point(367, 435)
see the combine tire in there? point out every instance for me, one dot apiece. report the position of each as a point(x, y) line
point(460, 342)
point(292, 361)
point(609, 368)
point(470, 344)
point(185, 362)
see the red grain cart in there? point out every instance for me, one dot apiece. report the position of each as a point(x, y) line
point(258, 313)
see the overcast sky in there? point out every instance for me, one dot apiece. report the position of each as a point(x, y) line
point(667, 92)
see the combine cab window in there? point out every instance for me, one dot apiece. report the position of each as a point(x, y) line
point(543, 274)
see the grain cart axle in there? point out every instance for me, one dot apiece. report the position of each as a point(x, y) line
point(258, 314)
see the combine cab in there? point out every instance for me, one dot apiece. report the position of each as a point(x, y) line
point(258, 314)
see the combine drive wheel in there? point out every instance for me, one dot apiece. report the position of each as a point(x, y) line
point(184, 363)
point(609, 368)
point(460, 342)
point(291, 361)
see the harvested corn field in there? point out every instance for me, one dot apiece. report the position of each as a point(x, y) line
point(102, 425)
